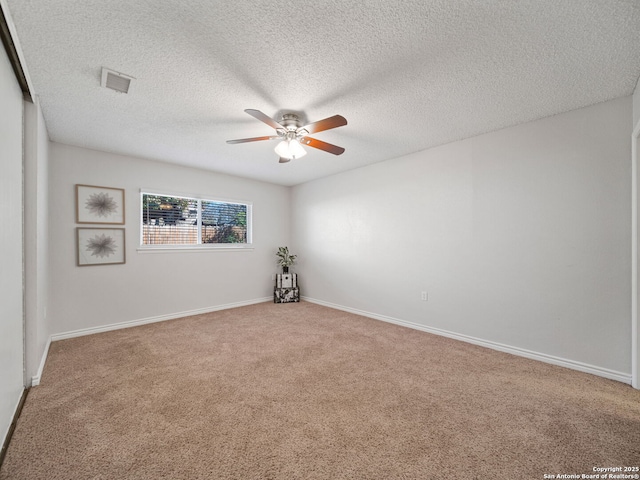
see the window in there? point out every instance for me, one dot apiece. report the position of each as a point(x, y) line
point(172, 220)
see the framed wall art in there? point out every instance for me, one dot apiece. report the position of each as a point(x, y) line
point(100, 246)
point(99, 205)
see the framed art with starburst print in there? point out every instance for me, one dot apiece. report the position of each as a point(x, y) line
point(99, 205)
point(100, 246)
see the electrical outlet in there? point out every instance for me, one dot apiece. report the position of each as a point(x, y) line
point(424, 296)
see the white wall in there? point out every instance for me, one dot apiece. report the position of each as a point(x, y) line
point(520, 237)
point(154, 284)
point(36, 184)
point(636, 105)
point(11, 300)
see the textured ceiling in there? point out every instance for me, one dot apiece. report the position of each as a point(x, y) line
point(407, 74)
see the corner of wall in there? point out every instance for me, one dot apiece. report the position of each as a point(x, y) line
point(36, 181)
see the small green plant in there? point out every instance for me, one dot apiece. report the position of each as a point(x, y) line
point(285, 259)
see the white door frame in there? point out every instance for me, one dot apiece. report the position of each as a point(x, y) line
point(635, 331)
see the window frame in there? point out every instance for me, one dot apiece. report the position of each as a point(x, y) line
point(194, 247)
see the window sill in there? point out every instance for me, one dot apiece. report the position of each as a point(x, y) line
point(192, 248)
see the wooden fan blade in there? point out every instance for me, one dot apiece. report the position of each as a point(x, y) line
point(252, 139)
point(326, 124)
point(263, 118)
point(327, 147)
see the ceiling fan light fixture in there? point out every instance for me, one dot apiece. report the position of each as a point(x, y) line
point(290, 149)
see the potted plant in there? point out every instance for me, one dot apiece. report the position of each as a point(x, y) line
point(285, 259)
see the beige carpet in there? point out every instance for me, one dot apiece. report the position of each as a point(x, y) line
point(300, 391)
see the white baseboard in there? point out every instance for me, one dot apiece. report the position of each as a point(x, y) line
point(521, 352)
point(542, 357)
point(35, 380)
point(160, 318)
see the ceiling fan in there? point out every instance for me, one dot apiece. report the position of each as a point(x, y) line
point(291, 134)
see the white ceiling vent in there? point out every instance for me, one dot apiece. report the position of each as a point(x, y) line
point(115, 80)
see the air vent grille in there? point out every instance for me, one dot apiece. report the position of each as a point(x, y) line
point(116, 81)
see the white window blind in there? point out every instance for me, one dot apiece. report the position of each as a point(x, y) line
point(172, 220)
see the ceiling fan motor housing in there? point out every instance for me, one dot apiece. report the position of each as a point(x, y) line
point(290, 121)
point(292, 128)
